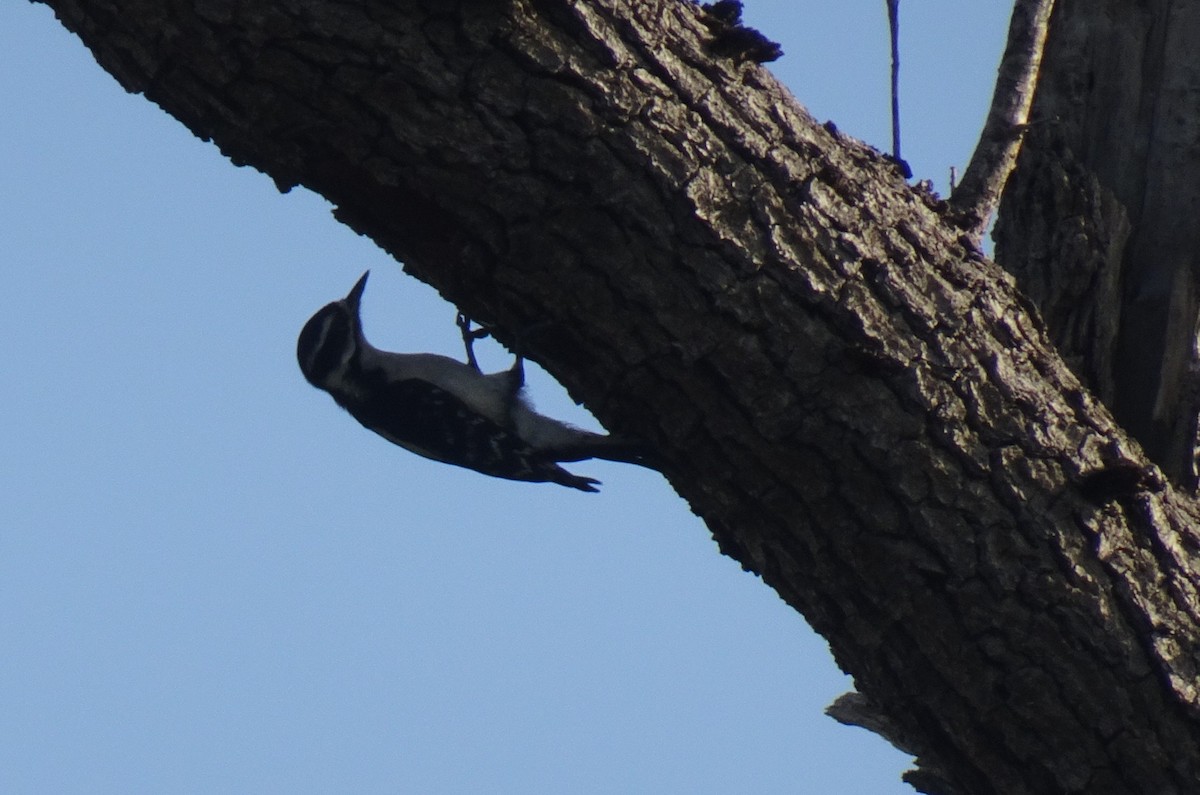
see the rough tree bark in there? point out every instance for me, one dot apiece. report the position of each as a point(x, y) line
point(863, 409)
point(1102, 222)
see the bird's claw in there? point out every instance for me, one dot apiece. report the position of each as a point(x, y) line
point(469, 336)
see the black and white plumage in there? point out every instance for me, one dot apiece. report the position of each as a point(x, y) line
point(444, 409)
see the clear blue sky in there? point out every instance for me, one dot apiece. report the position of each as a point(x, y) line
point(213, 580)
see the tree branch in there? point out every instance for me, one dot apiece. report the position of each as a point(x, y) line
point(1098, 221)
point(976, 197)
point(863, 410)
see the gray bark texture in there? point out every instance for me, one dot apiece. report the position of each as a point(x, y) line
point(862, 408)
point(1101, 222)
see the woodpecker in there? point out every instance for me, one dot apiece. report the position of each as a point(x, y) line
point(443, 409)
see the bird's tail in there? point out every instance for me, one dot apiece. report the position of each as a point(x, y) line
point(610, 448)
point(565, 478)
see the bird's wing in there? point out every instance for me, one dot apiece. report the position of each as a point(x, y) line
point(440, 426)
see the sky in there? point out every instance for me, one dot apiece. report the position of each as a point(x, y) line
point(213, 580)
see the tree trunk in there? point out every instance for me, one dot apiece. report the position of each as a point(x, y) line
point(1100, 223)
point(862, 408)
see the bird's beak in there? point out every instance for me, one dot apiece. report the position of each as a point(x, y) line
point(356, 294)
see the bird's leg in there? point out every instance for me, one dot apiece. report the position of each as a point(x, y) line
point(516, 379)
point(516, 373)
point(469, 336)
point(518, 369)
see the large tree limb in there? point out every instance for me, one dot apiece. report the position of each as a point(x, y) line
point(860, 406)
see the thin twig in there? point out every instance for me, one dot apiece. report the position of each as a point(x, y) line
point(893, 7)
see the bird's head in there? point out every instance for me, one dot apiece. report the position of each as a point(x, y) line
point(331, 338)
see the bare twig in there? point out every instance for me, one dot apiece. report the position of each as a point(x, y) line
point(977, 195)
point(893, 7)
